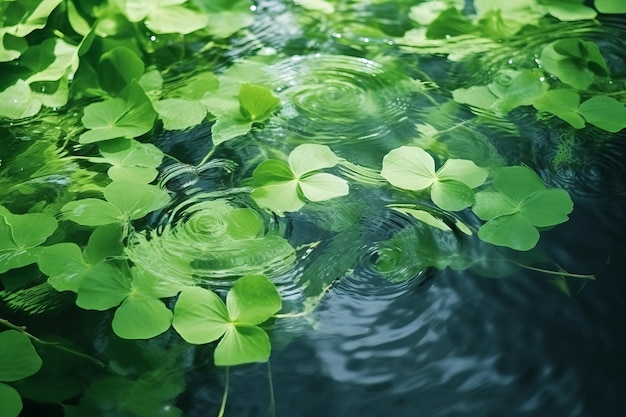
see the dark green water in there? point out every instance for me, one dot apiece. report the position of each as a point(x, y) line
point(389, 337)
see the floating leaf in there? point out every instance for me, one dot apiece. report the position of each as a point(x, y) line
point(227, 16)
point(610, 6)
point(569, 10)
point(574, 61)
point(520, 204)
point(286, 186)
point(128, 116)
point(200, 316)
point(604, 112)
point(130, 160)
point(126, 200)
point(20, 236)
point(256, 103)
point(562, 103)
point(10, 401)
point(412, 168)
point(141, 314)
point(179, 114)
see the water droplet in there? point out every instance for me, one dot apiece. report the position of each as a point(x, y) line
point(153, 38)
point(253, 8)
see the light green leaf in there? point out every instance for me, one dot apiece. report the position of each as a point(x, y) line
point(31, 229)
point(104, 286)
point(243, 223)
point(64, 264)
point(256, 103)
point(92, 212)
point(242, 344)
point(130, 160)
point(610, 6)
point(563, 104)
point(604, 112)
point(141, 317)
point(272, 171)
point(17, 101)
point(451, 195)
point(10, 401)
point(105, 241)
point(475, 96)
point(574, 61)
point(252, 300)
point(463, 171)
point(226, 128)
point(180, 114)
point(409, 168)
point(279, 197)
point(425, 217)
point(128, 116)
point(135, 200)
point(318, 5)
point(227, 16)
point(570, 10)
point(513, 231)
point(200, 316)
point(175, 19)
point(18, 358)
point(310, 157)
point(322, 186)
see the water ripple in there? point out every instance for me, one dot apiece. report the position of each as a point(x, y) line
point(340, 99)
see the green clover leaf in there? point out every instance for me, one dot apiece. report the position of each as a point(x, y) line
point(200, 316)
point(412, 168)
point(520, 204)
point(126, 200)
point(141, 314)
point(287, 186)
point(20, 237)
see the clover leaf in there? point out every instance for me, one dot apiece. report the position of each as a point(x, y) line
point(601, 111)
point(127, 116)
point(65, 263)
point(130, 160)
point(286, 186)
point(574, 61)
point(141, 314)
point(125, 200)
point(237, 114)
point(412, 168)
point(20, 236)
point(165, 16)
point(18, 359)
point(520, 204)
point(200, 316)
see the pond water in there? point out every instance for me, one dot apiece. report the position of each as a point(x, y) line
point(391, 303)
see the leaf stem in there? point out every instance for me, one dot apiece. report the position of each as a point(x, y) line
point(559, 273)
point(225, 395)
point(57, 345)
point(272, 406)
point(207, 157)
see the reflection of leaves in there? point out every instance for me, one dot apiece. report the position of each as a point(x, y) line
point(20, 236)
point(412, 168)
point(286, 186)
point(520, 204)
point(200, 316)
point(126, 200)
point(18, 360)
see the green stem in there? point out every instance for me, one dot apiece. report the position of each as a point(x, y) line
point(207, 157)
point(225, 395)
point(559, 273)
point(57, 345)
